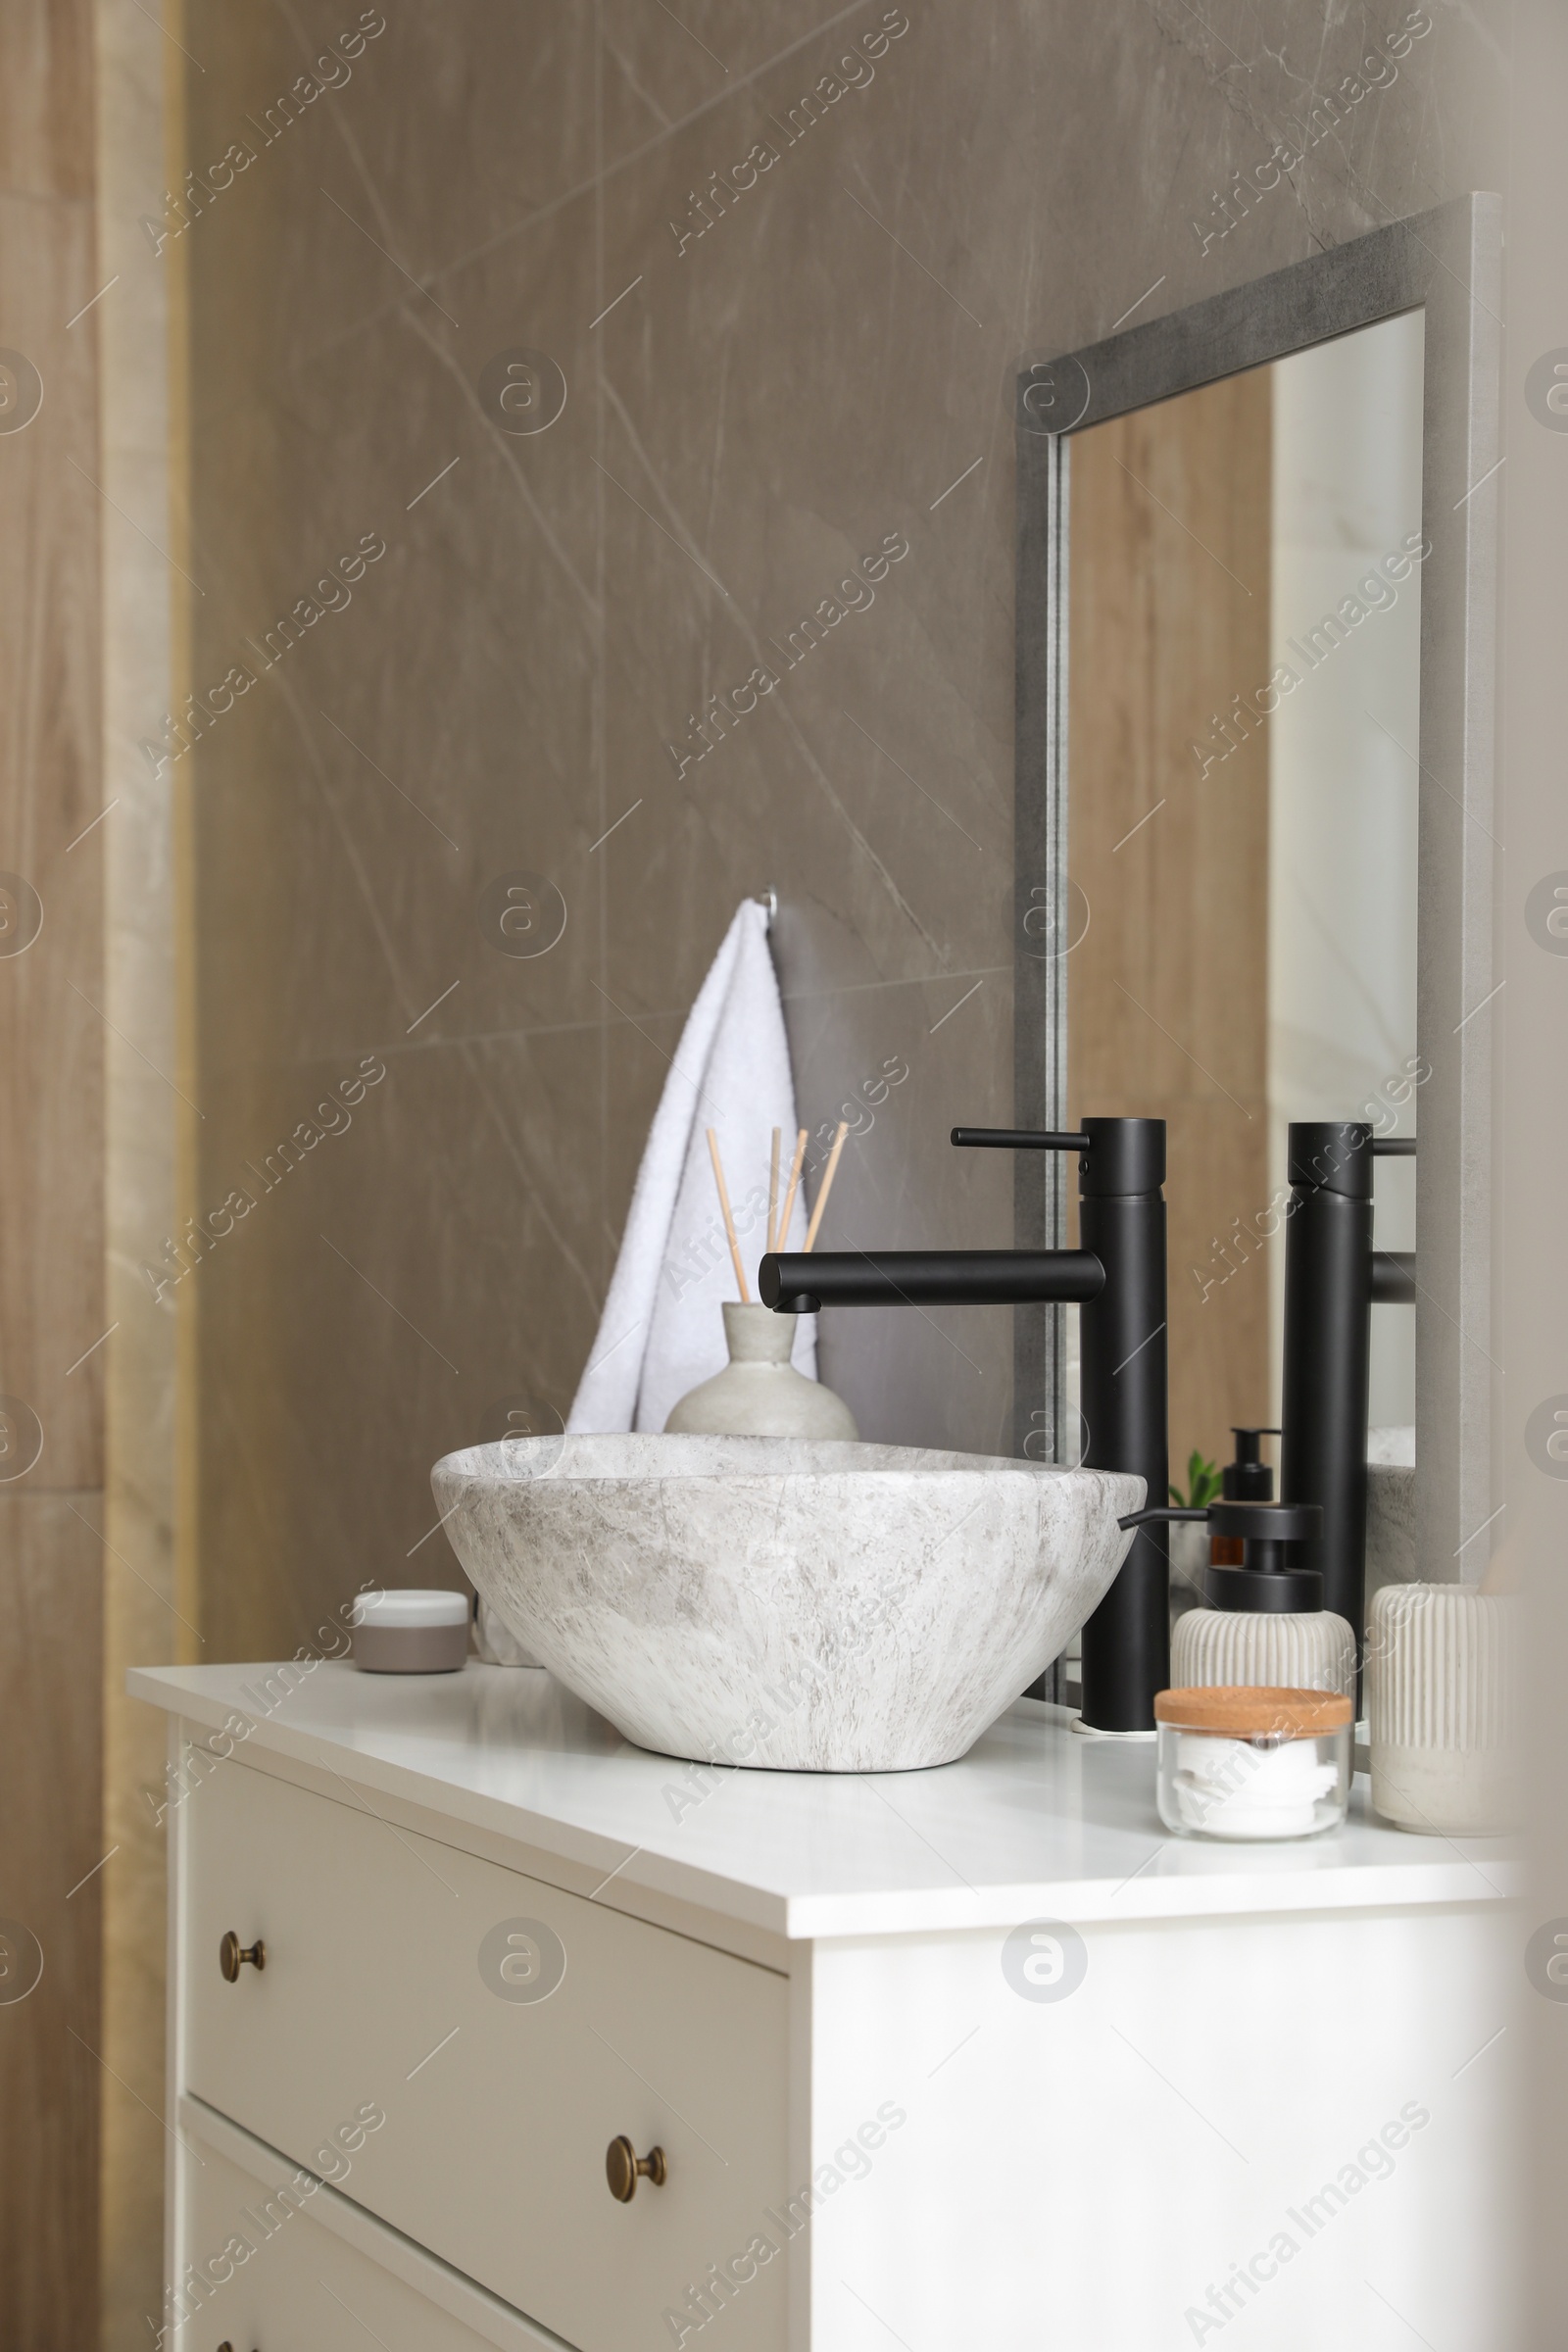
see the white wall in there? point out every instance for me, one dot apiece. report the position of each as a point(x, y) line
point(1342, 780)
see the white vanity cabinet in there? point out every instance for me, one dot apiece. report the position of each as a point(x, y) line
point(383, 1988)
point(972, 2056)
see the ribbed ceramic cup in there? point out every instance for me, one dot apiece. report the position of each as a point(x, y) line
point(1442, 1682)
point(1306, 1650)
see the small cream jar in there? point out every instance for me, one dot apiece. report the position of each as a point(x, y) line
point(1253, 1762)
point(411, 1632)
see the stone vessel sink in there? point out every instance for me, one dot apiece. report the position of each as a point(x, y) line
point(803, 1604)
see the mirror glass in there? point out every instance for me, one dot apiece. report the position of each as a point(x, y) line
point(1242, 715)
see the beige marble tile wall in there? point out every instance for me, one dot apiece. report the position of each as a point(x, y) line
point(785, 266)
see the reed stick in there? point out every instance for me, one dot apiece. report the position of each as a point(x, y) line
point(788, 1197)
point(828, 1174)
point(772, 1187)
point(729, 1221)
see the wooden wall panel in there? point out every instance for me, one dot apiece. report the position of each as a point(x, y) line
point(46, 99)
point(50, 2071)
point(1168, 990)
point(51, 1002)
point(142, 1607)
point(51, 1317)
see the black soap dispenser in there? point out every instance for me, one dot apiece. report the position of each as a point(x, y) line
point(1265, 1624)
point(1248, 1479)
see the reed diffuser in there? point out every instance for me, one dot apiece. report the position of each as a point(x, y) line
point(759, 1394)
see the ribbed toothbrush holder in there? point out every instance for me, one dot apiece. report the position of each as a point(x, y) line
point(1442, 1685)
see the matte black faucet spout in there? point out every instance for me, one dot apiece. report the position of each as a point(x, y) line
point(795, 1283)
point(1118, 1277)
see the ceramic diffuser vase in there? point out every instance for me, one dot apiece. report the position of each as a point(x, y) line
point(759, 1394)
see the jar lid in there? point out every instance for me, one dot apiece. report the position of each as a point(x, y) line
point(411, 1609)
point(1252, 1711)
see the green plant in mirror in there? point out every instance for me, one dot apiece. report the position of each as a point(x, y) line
point(1202, 1484)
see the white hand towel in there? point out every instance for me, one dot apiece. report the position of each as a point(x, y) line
point(661, 1331)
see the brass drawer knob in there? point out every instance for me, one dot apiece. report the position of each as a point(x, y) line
point(624, 2167)
point(232, 1956)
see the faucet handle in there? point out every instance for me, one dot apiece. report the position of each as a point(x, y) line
point(1020, 1139)
point(1117, 1157)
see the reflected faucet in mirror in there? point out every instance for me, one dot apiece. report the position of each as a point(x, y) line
point(1118, 1278)
point(1334, 1277)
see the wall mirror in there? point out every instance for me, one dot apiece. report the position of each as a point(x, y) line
point(1255, 847)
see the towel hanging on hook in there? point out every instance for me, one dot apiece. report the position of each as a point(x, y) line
point(660, 1333)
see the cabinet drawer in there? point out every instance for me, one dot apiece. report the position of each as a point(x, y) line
point(275, 2262)
point(455, 2046)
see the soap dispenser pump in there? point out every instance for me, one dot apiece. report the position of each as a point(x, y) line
point(1265, 1623)
point(1248, 1479)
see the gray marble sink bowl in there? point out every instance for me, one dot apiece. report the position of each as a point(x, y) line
point(799, 1604)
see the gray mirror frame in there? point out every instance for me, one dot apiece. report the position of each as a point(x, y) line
point(1449, 263)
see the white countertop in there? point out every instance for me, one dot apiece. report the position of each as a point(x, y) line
point(1035, 1821)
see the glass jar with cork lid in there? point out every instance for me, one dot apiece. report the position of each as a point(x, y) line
point(1252, 1761)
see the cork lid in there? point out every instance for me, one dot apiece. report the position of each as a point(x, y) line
point(1253, 1712)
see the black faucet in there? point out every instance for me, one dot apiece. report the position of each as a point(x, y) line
point(1118, 1277)
point(1333, 1279)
